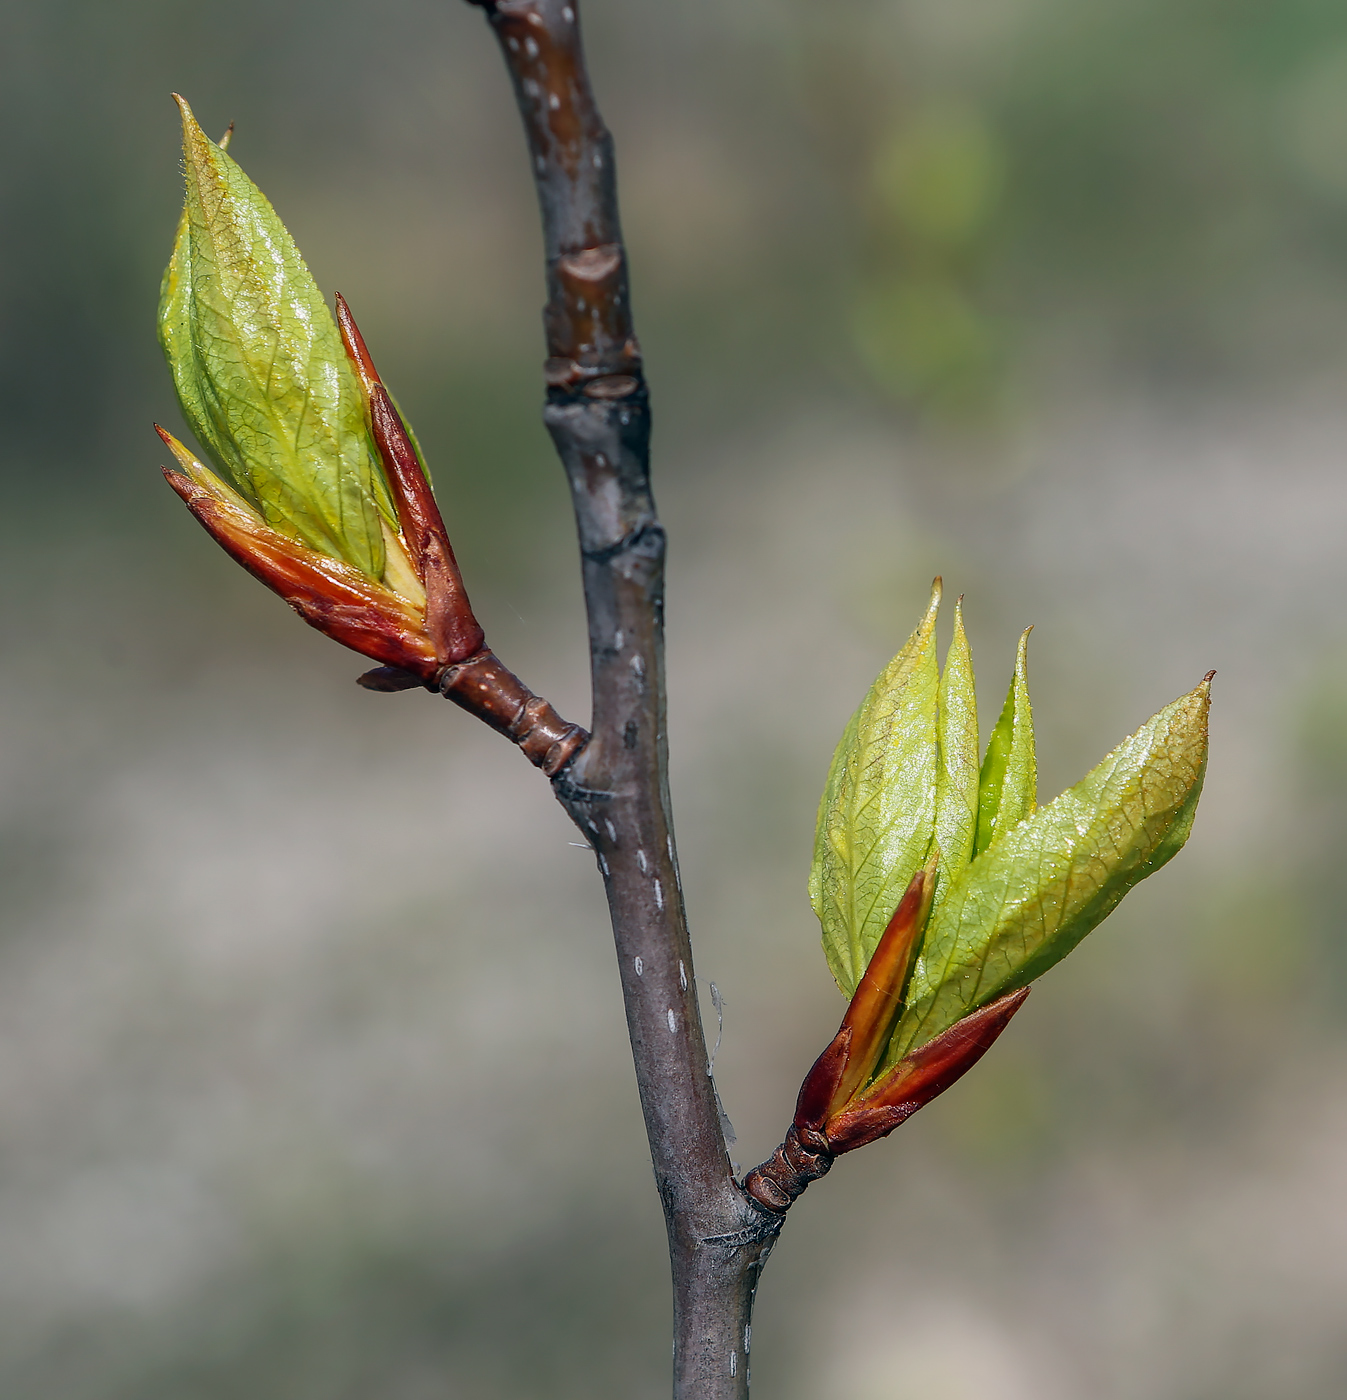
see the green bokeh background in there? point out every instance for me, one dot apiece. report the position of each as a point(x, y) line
point(313, 1076)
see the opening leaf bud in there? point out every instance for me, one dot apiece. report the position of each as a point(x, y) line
point(319, 488)
point(994, 889)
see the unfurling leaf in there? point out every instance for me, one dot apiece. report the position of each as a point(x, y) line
point(1045, 883)
point(1007, 888)
point(956, 784)
point(322, 492)
point(260, 370)
point(1008, 783)
point(876, 820)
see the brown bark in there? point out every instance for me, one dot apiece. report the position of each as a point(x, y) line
point(615, 787)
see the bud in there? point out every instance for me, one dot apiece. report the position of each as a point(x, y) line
point(318, 487)
point(842, 1103)
point(994, 890)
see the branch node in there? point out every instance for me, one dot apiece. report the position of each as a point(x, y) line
point(780, 1181)
point(485, 687)
point(765, 1227)
point(648, 539)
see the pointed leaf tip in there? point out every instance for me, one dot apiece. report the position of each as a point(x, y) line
point(1024, 903)
point(956, 797)
point(1008, 779)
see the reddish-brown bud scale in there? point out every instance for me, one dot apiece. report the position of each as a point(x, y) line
point(327, 594)
point(449, 617)
point(847, 1064)
point(450, 623)
point(921, 1075)
point(878, 999)
point(355, 347)
point(820, 1084)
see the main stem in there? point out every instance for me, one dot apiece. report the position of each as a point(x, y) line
point(616, 788)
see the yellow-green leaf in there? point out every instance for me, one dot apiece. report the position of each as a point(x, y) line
point(1045, 883)
point(259, 367)
point(1008, 783)
point(877, 816)
point(956, 786)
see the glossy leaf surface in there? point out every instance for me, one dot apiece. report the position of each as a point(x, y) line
point(956, 786)
point(877, 816)
point(1044, 883)
point(1008, 783)
point(260, 370)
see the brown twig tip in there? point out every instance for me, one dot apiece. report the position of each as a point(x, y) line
point(1207, 679)
point(782, 1179)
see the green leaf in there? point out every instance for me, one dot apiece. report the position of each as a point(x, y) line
point(259, 366)
point(1008, 783)
point(1044, 884)
point(956, 786)
point(877, 816)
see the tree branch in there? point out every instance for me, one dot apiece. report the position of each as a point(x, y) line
point(615, 788)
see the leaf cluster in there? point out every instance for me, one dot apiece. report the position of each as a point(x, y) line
point(1017, 886)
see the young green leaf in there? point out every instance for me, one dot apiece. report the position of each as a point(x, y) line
point(956, 786)
point(877, 816)
point(1008, 783)
point(260, 370)
point(1045, 883)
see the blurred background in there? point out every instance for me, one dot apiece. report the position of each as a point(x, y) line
point(313, 1074)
